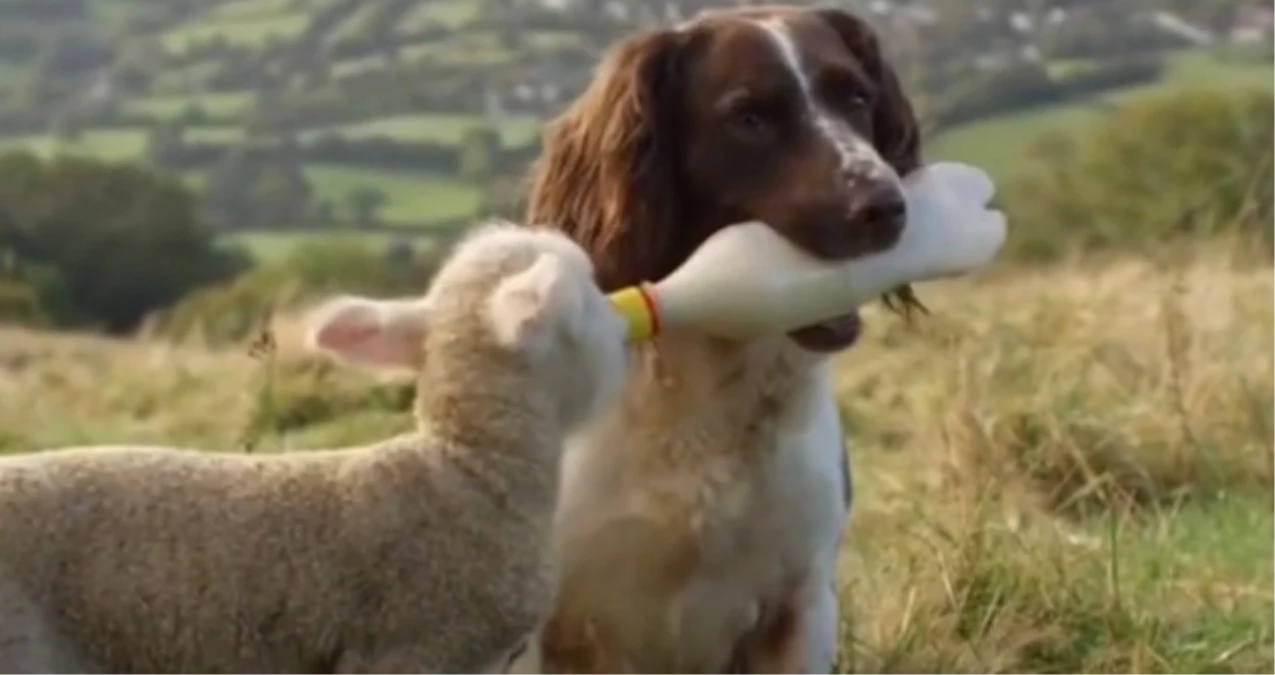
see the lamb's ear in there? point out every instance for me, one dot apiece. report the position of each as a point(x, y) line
point(382, 334)
point(524, 306)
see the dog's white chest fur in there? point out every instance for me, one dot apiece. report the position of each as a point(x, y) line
point(693, 549)
point(812, 465)
point(788, 531)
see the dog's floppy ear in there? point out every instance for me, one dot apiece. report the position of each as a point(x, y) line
point(607, 175)
point(895, 129)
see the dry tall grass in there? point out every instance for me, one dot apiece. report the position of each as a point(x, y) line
point(1067, 471)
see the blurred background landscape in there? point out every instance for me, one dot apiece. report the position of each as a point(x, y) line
point(389, 125)
point(1067, 467)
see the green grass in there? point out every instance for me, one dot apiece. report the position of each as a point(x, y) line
point(998, 144)
point(115, 13)
point(110, 144)
point(1232, 535)
point(11, 71)
point(248, 32)
point(547, 39)
point(452, 13)
point(270, 246)
point(347, 67)
point(466, 49)
point(440, 128)
point(211, 134)
point(180, 81)
point(414, 198)
point(1202, 67)
point(247, 10)
point(220, 104)
point(353, 26)
point(959, 557)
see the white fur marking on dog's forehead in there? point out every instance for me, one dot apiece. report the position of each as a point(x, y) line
point(859, 159)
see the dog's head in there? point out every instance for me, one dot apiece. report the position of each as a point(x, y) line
point(784, 115)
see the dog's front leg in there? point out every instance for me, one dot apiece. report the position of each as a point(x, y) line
point(819, 648)
point(796, 635)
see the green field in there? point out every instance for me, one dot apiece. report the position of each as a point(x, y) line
point(249, 32)
point(270, 246)
point(348, 67)
point(250, 10)
point(447, 12)
point(1065, 467)
point(220, 104)
point(1032, 495)
point(414, 198)
point(213, 134)
point(112, 144)
point(11, 72)
point(998, 143)
point(352, 26)
point(436, 127)
point(466, 50)
point(117, 13)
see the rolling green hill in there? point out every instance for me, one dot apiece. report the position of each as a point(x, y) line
point(998, 143)
point(121, 79)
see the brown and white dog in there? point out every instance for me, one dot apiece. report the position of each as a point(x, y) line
point(700, 522)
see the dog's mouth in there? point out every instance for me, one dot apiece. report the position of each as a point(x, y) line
point(829, 336)
point(840, 332)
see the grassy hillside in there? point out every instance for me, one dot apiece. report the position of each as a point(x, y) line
point(193, 58)
point(225, 69)
point(998, 143)
point(1080, 482)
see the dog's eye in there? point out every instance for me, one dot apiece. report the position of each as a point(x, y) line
point(857, 108)
point(752, 124)
point(853, 101)
point(845, 91)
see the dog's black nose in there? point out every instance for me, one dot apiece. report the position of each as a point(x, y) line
point(879, 209)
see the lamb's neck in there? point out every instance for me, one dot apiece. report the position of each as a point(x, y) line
point(507, 439)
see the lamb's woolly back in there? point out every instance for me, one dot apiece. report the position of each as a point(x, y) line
point(428, 552)
point(509, 305)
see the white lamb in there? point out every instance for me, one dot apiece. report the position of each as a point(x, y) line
point(424, 553)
